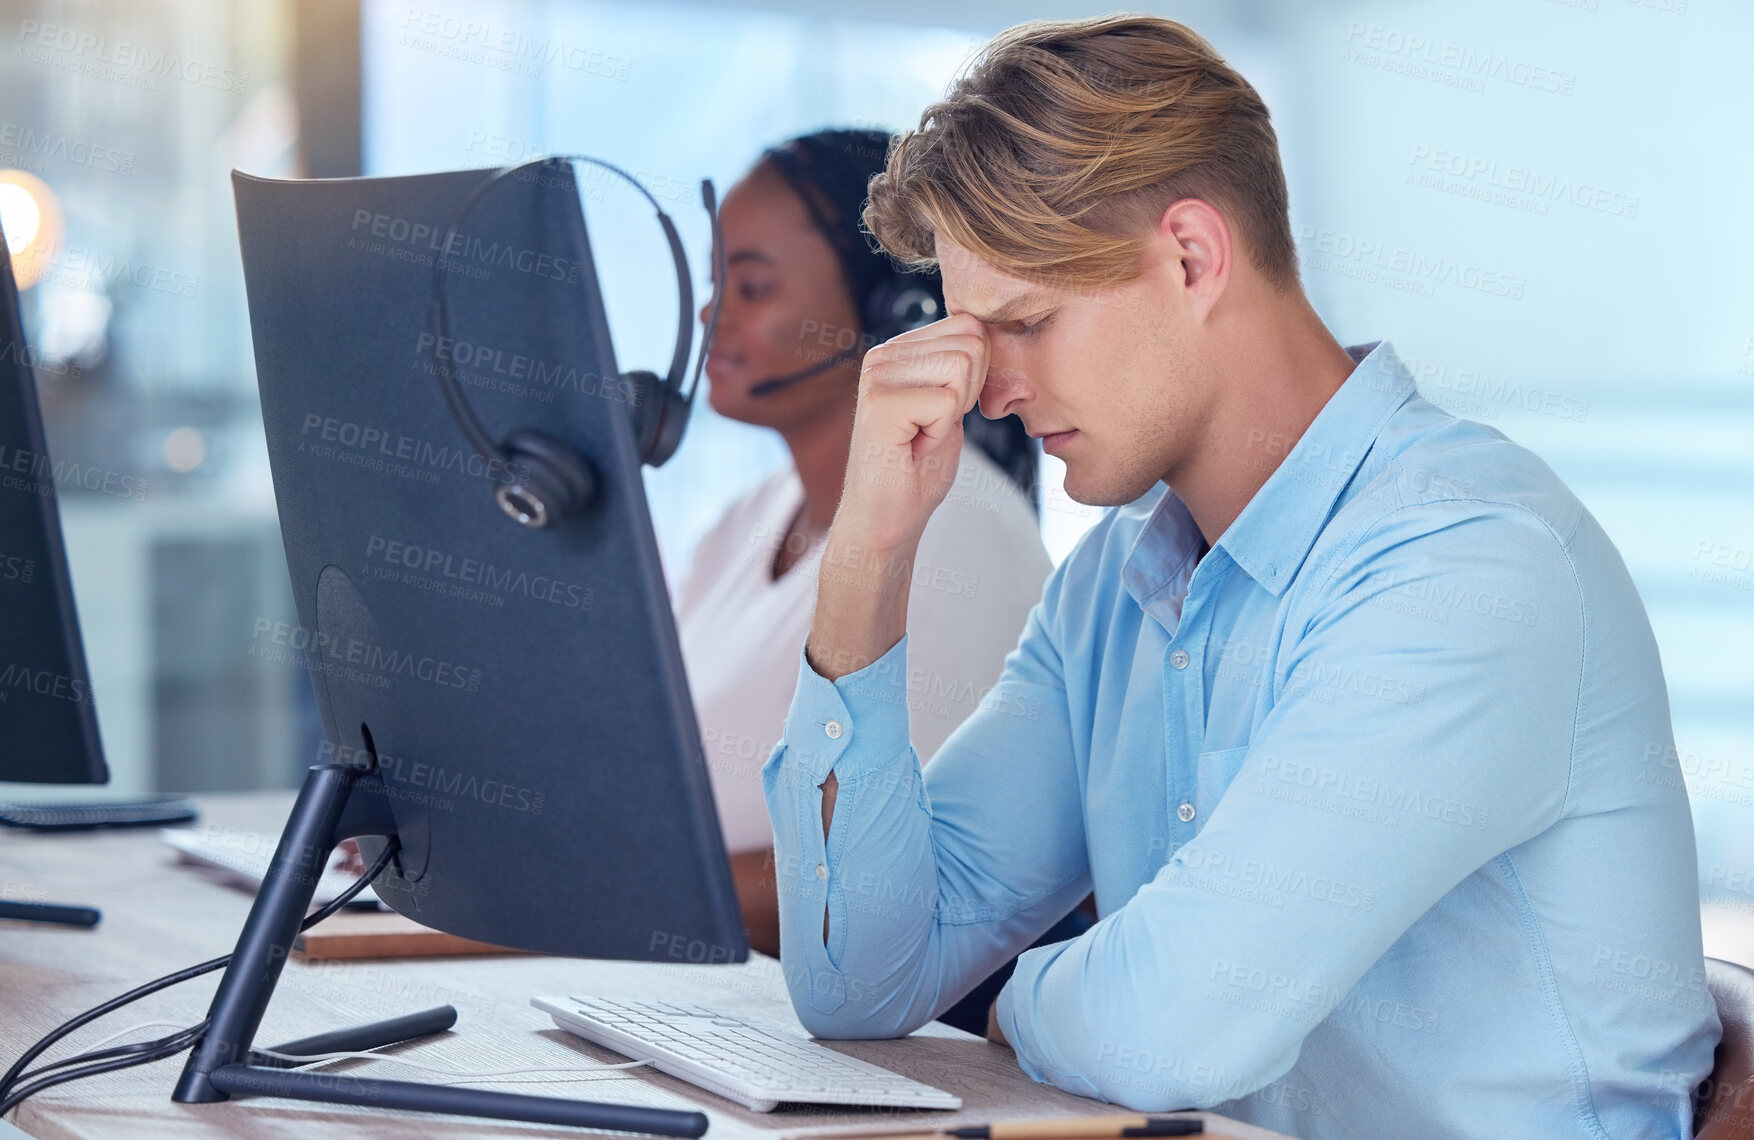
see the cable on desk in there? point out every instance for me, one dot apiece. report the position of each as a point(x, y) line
point(182, 1041)
point(147, 1051)
point(97, 1054)
point(133, 1029)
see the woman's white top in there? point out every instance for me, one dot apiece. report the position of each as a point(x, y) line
point(979, 571)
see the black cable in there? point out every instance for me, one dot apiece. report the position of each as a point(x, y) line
point(14, 1074)
point(116, 1051)
point(207, 967)
point(36, 1087)
point(347, 896)
point(132, 1054)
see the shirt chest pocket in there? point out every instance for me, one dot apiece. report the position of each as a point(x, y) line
point(1213, 772)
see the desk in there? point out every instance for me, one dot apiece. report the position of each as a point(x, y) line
point(159, 917)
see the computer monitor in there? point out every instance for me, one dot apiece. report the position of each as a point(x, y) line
point(506, 702)
point(48, 725)
point(48, 718)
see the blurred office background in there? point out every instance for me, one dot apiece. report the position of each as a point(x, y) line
point(1543, 203)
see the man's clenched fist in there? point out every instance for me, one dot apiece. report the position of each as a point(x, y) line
point(907, 431)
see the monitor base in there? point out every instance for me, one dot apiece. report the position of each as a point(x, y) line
point(328, 811)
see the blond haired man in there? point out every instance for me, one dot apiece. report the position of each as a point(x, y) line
point(1345, 713)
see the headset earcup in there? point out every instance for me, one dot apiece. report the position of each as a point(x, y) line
point(671, 422)
point(880, 324)
point(645, 410)
point(659, 415)
point(897, 305)
point(546, 480)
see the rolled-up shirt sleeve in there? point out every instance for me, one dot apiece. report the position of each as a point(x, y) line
point(1400, 757)
point(921, 903)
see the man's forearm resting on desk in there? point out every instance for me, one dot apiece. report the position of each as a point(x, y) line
point(858, 869)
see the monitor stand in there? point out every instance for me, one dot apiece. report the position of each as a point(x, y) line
point(336, 803)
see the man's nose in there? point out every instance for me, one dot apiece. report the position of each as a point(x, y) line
point(1004, 387)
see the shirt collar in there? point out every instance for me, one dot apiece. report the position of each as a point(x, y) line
point(1274, 532)
point(1162, 556)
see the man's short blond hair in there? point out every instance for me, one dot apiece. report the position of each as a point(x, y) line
point(1060, 147)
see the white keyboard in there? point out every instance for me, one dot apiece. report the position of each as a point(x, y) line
point(741, 1060)
point(243, 858)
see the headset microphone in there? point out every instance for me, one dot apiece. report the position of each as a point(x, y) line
point(786, 380)
point(898, 305)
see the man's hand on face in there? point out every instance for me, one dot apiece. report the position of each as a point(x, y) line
point(907, 432)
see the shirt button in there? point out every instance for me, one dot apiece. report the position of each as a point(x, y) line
point(1185, 813)
point(1179, 659)
point(821, 871)
point(833, 728)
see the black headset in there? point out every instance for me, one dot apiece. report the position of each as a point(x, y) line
point(900, 304)
point(546, 480)
point(895, 306)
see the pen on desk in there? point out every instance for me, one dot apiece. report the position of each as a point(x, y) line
point(1089, 1126)
point(1059, 1128)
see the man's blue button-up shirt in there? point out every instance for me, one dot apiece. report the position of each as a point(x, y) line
point(1373, 796)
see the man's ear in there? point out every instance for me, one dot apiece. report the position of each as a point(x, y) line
point(1195, 237)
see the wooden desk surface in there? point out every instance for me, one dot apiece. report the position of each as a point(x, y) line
point(159, 917)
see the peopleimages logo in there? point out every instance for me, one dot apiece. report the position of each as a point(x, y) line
point(502, 48)
point(1521, 187)
point(1284, 880)
point(478, 364)
point(83, 269)
point(1332, 250)
point(1344, 786)
point(1448, 63)
point(392, 445)
point(136, 64)
point(427, 241)
point(44, 683)
point(1466, 392)
point(1268, 990)
point(34, 358)
point(19, 141)
point(38, 474)
point(431, 785)
point(442, 566)
point(319, 649)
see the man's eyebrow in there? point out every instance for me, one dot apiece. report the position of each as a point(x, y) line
point(743, 255)
point(1021, 303)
